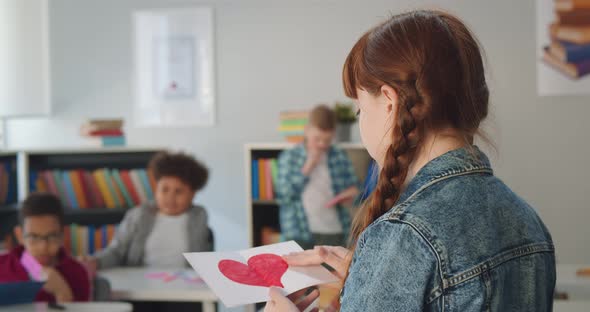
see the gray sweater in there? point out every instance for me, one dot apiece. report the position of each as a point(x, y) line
point(128, 245)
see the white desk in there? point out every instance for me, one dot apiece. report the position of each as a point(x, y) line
point(577, 287)
point(71, 307)
point(571, 306)
point(133, 285)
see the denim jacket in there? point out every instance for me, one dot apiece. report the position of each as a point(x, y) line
point(457, 240)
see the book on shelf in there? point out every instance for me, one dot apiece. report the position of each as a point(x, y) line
point(101, 188)
point(264, 173)
point(81, 240)
point(8, 183)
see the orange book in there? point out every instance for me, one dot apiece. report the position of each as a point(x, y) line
point(98, 240)
point(117, 190)
point(78, 190)
point(152, 180)
point(573, 34)
point(110, 233)
point(262, 179)
point(571, 5)
point(40, 185)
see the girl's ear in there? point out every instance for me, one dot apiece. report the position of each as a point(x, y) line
point(391, 99)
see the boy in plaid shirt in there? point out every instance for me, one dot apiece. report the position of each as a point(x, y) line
point(314, 180)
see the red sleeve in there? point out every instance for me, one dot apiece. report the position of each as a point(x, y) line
point(78, 279)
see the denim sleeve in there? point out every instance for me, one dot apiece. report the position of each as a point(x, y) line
point(392, 269)
point(290, 181)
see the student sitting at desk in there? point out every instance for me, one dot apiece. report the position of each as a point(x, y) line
point(41, 255)
point(157, 233)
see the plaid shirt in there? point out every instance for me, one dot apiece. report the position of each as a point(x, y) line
point(291, 183)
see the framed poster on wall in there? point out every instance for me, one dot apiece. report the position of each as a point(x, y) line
point(174, 67)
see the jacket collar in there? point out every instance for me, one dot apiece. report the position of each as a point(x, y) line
point(456, 162)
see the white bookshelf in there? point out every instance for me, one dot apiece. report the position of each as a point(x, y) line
point(268, 209)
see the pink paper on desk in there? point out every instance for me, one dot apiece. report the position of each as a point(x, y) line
point(32, 266)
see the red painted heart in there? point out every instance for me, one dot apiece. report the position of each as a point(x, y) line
point(262, 270)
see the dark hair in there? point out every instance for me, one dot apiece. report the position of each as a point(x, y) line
point(42, 204)
point(181, 166)
point(323, 117)
point(434, 63)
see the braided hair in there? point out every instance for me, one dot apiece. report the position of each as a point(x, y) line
point(434, 64)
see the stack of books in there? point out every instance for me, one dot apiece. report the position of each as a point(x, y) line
point(569, 51)
point(293, 125)
point(103, 132)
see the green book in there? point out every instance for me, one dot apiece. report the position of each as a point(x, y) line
point(74, 238)
point(121, 185)
point(111, 187)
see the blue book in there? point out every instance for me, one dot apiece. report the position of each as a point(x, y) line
point(370, 182)
point(19, 292)
point(570, 52)
point(255, 194)
point(69, 188)
point(104, 236)
point(11, 187)
point(91, 247)
point(113, 141)
point(145, 181)
point(32, 179)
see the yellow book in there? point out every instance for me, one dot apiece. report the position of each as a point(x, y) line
point(40, 185)
point(104, 189)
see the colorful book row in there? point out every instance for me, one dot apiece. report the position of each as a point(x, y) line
point(86, 240)
point(101, 188)
point(8, 184)
point(264, 173)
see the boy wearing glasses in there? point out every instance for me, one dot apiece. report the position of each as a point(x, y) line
point(41, 256)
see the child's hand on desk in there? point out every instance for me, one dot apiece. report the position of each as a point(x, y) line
point(295, 302)
point(56, 285)
point(335, 256)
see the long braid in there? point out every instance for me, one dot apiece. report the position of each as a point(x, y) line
point(406, 137)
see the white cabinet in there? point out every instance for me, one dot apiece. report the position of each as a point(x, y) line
point(24, 58)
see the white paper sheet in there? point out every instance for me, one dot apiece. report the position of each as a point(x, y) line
point(233, 293)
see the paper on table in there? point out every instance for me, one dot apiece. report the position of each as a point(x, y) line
point(232, 293)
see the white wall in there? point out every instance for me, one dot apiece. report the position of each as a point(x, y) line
point(274, 55)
